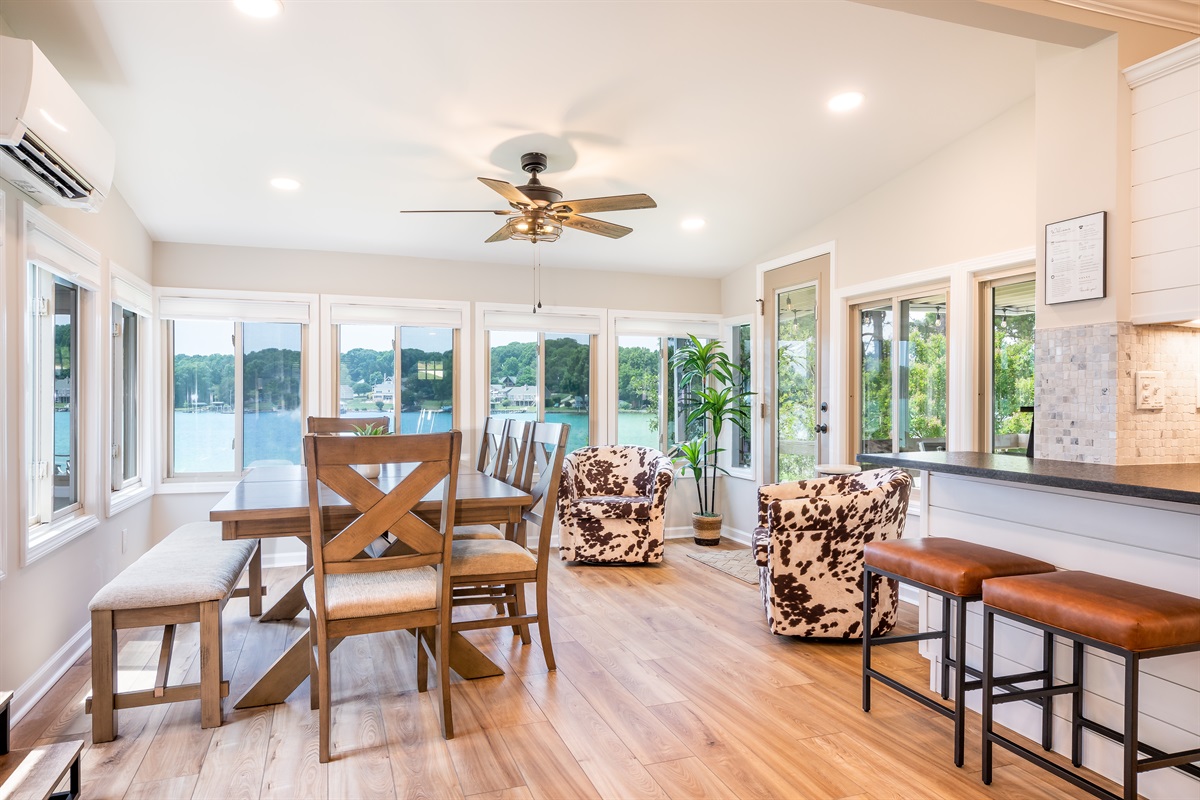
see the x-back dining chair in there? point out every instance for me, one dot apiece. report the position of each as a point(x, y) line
point(494, 429)
point(479, 565)
point(325, 425)
point(349, 594)
point(510, 465)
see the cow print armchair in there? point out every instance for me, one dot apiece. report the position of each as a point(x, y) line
point(809, 549)
point(612, 503)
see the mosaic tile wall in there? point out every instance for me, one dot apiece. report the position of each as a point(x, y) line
point(1084, 394)
point(1172, 435)
point(1076, 394)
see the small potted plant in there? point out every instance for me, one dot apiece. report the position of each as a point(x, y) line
point(715, 396)
point(370, 429)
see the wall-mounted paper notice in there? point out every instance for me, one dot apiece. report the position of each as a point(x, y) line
point(1075, 259)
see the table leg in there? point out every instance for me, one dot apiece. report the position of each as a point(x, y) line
point(291, 668)
point(288, 606)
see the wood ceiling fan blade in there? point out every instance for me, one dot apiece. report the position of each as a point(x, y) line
point(617, 202)
point(509, 192)
point(504, 213)
point(499, 236)
point(595, 226)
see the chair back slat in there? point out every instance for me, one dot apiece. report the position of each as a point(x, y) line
point(330, 425)
point(382, 563)
point(388, 514)
point(513, 465)
point(548, 447)
point(494, 429)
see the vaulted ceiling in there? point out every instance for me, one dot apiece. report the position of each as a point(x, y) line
point(716, 109)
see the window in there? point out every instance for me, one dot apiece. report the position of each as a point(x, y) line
point(59, 405)
point(741, 449)
point(542, 376)
point(652, 406)
point(423, 402)
point(1009, 358)
point(236, 383)
point(126, 468)
point(902, 400)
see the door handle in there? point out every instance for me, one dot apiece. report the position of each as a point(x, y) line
point(822, 428)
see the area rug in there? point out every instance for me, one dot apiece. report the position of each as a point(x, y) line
point(734, 563)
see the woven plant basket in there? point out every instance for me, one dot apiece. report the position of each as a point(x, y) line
point(706, 530)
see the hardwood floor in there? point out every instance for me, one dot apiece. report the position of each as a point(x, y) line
point(668, 686)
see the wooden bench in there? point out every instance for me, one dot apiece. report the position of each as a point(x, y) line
point(33, 774)
point(187, 577)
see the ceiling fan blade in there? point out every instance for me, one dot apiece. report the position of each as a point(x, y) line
point(509, 192)
point(499, 236)
point(595, 226)
point(504, 213)
point(617, 202)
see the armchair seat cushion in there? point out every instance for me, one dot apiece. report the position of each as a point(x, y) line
point(613, 507)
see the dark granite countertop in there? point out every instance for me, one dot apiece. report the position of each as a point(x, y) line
point(1177, 483)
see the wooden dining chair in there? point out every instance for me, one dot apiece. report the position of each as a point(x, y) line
point(494, 429)
point(345, 424)
point(479, 565)
point(510, 465)
point(349, 593)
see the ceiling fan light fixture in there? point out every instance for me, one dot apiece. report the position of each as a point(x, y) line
point(539, 228)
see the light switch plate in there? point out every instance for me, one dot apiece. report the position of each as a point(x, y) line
point(1150, 390)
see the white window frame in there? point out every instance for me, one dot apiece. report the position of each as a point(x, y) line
point(550, 319)
point(396, 312)
point(663, 325)
point(984, 346)
point(131, 293)
point(53, 250)
point(5, 488)
point(729, 328)
point(233, 307)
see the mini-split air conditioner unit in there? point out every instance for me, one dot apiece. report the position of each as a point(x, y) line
point(51, 146)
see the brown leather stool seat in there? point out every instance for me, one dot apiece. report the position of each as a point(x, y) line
point(950, 565)
point(1130, 620)
point(955, 571)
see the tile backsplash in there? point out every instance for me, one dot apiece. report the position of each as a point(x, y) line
point(1085, 400)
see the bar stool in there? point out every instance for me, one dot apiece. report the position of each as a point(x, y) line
point(953, 570)
point(1132, 621)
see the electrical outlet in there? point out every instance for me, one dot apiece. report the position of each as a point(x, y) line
point(124, 539)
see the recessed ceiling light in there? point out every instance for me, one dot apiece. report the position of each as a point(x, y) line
point(692, 224)
point(259, 8)
point(285, 184)
point(845, 101)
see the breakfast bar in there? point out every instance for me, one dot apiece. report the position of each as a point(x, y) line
point(1139, 523)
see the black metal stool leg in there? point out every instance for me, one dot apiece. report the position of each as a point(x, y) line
point(946, 648)
point(960, 679)
point(866, 678)
point(1048, 701)
point(1130, 743)
point(989, 622)
point(1077, 704)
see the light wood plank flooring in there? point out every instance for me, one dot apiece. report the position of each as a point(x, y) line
point(668, 686)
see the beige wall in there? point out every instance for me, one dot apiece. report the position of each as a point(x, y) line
point(44, 605)
point(262, 269)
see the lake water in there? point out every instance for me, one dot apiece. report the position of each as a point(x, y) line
point(203, 441)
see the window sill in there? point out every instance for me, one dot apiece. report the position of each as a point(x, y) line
point(42, 540)
point(196, 487)
point(741, 473)
point(127, 498)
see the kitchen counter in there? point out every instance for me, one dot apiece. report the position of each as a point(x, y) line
point(1176, 483)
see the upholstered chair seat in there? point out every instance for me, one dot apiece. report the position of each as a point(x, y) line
point(612, 503)
point(375, 593)
point(809, 549)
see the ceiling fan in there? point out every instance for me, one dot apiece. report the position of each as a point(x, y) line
point(539, 213)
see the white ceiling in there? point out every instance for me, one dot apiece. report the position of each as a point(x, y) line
point(715, 109)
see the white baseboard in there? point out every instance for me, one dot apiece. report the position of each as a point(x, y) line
point(739, 536)
point(910, 594)
point(685, 532)
point(40, 682)
point(284, 559)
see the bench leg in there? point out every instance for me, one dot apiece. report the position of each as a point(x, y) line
point(256, 584)
point(104, 677)
point(210, 665)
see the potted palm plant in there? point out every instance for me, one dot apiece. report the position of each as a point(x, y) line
point(714, 394)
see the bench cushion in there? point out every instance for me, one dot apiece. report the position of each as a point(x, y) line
point(192, 565)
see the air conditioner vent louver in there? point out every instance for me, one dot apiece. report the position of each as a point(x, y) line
point(43, 163)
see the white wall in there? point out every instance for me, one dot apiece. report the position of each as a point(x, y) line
point(972, 199)
point(43, 606)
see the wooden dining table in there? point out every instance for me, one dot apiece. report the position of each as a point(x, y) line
point(273, 502)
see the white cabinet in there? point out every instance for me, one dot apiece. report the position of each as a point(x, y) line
point(1165, 196)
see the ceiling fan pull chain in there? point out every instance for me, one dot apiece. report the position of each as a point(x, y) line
point(537, 259)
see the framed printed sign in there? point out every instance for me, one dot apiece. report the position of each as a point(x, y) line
point(1075, 259)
